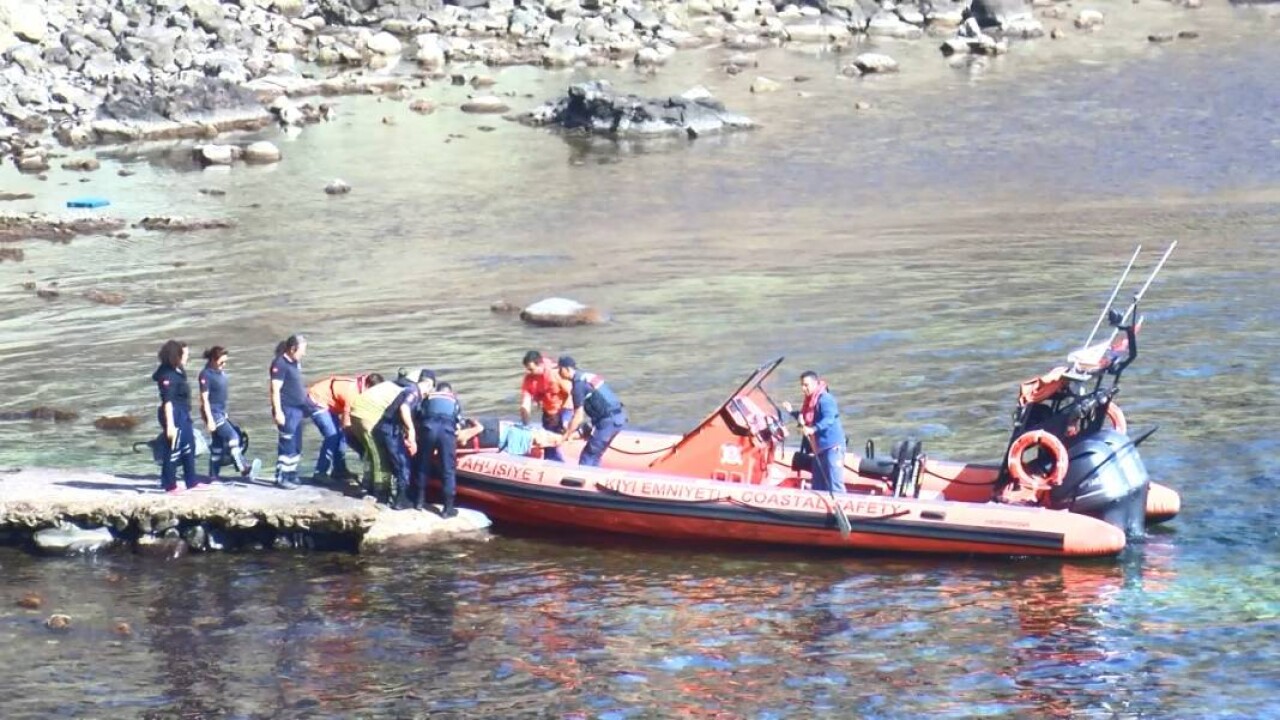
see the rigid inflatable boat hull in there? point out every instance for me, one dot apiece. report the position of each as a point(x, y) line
point(552, 496)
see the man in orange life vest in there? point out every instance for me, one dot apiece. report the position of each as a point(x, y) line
point(542, 384)
point(819, 418)
point(594, 399)
point(334, 396)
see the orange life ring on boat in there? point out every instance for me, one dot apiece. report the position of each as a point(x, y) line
point(1116, 416)
point(1051, 444)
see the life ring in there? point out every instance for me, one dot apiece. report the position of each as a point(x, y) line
point(1050, 444)
point(1116, 416)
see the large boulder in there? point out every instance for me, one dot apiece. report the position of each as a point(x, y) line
point(206, 99)
point(262, 151)
point(24, 19)
point(384, 43)
point(1014, 17)
point(594, 108)
point(562, 312)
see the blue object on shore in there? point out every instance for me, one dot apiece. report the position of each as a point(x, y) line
point(88, 202)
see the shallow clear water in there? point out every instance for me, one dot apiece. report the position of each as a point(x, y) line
point(924, 255)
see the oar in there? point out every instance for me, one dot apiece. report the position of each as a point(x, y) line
point(842, 521)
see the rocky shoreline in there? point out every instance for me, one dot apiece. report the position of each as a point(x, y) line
point(87, 72)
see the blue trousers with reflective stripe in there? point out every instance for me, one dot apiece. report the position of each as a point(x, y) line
point(601, 435)
point(182, 451)
point(289, 446)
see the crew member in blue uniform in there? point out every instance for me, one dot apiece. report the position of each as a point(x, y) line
point(174, 416)
point(819, 418)
point(396, 431)
point(290, 406)
point(440, 415)
point(594, 399)
point(224, 435)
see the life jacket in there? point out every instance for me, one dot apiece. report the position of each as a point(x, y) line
point(337, 392)
point(598, 402)
point(810, 406)
point(545, 388)
point(440, 406)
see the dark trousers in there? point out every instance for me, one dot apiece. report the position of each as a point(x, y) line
point(602, 434)
point(391, 435)
point(289, 444)
point(556, 423)
point(181, 451)
point(225, 444)
point(439, 459)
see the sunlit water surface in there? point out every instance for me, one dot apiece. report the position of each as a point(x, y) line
point(925, 255)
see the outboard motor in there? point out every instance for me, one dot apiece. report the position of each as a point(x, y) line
point(1106, 479)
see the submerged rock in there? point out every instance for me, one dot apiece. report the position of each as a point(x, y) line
point(119, 423)
point(68, 539)
point(104, 297)
point(41, 412)
point(58, 622)
point(485, 104)
point(562, 312)
point(594, 107)
point(337, 187)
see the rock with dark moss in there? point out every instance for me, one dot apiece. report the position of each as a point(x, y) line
point(595, 108)
point(208, 106)
point(168, 223)
point(36, 225)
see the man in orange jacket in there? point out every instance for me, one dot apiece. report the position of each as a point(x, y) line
point(543, 385)
point(334, 396)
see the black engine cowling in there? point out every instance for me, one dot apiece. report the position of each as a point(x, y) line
point(1106, 479)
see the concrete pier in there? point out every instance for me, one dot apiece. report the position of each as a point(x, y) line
point(239, 515)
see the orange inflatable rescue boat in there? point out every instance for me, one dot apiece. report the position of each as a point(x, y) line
point(1071, 482)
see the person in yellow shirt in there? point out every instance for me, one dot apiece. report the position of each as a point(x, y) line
point(365, 410)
